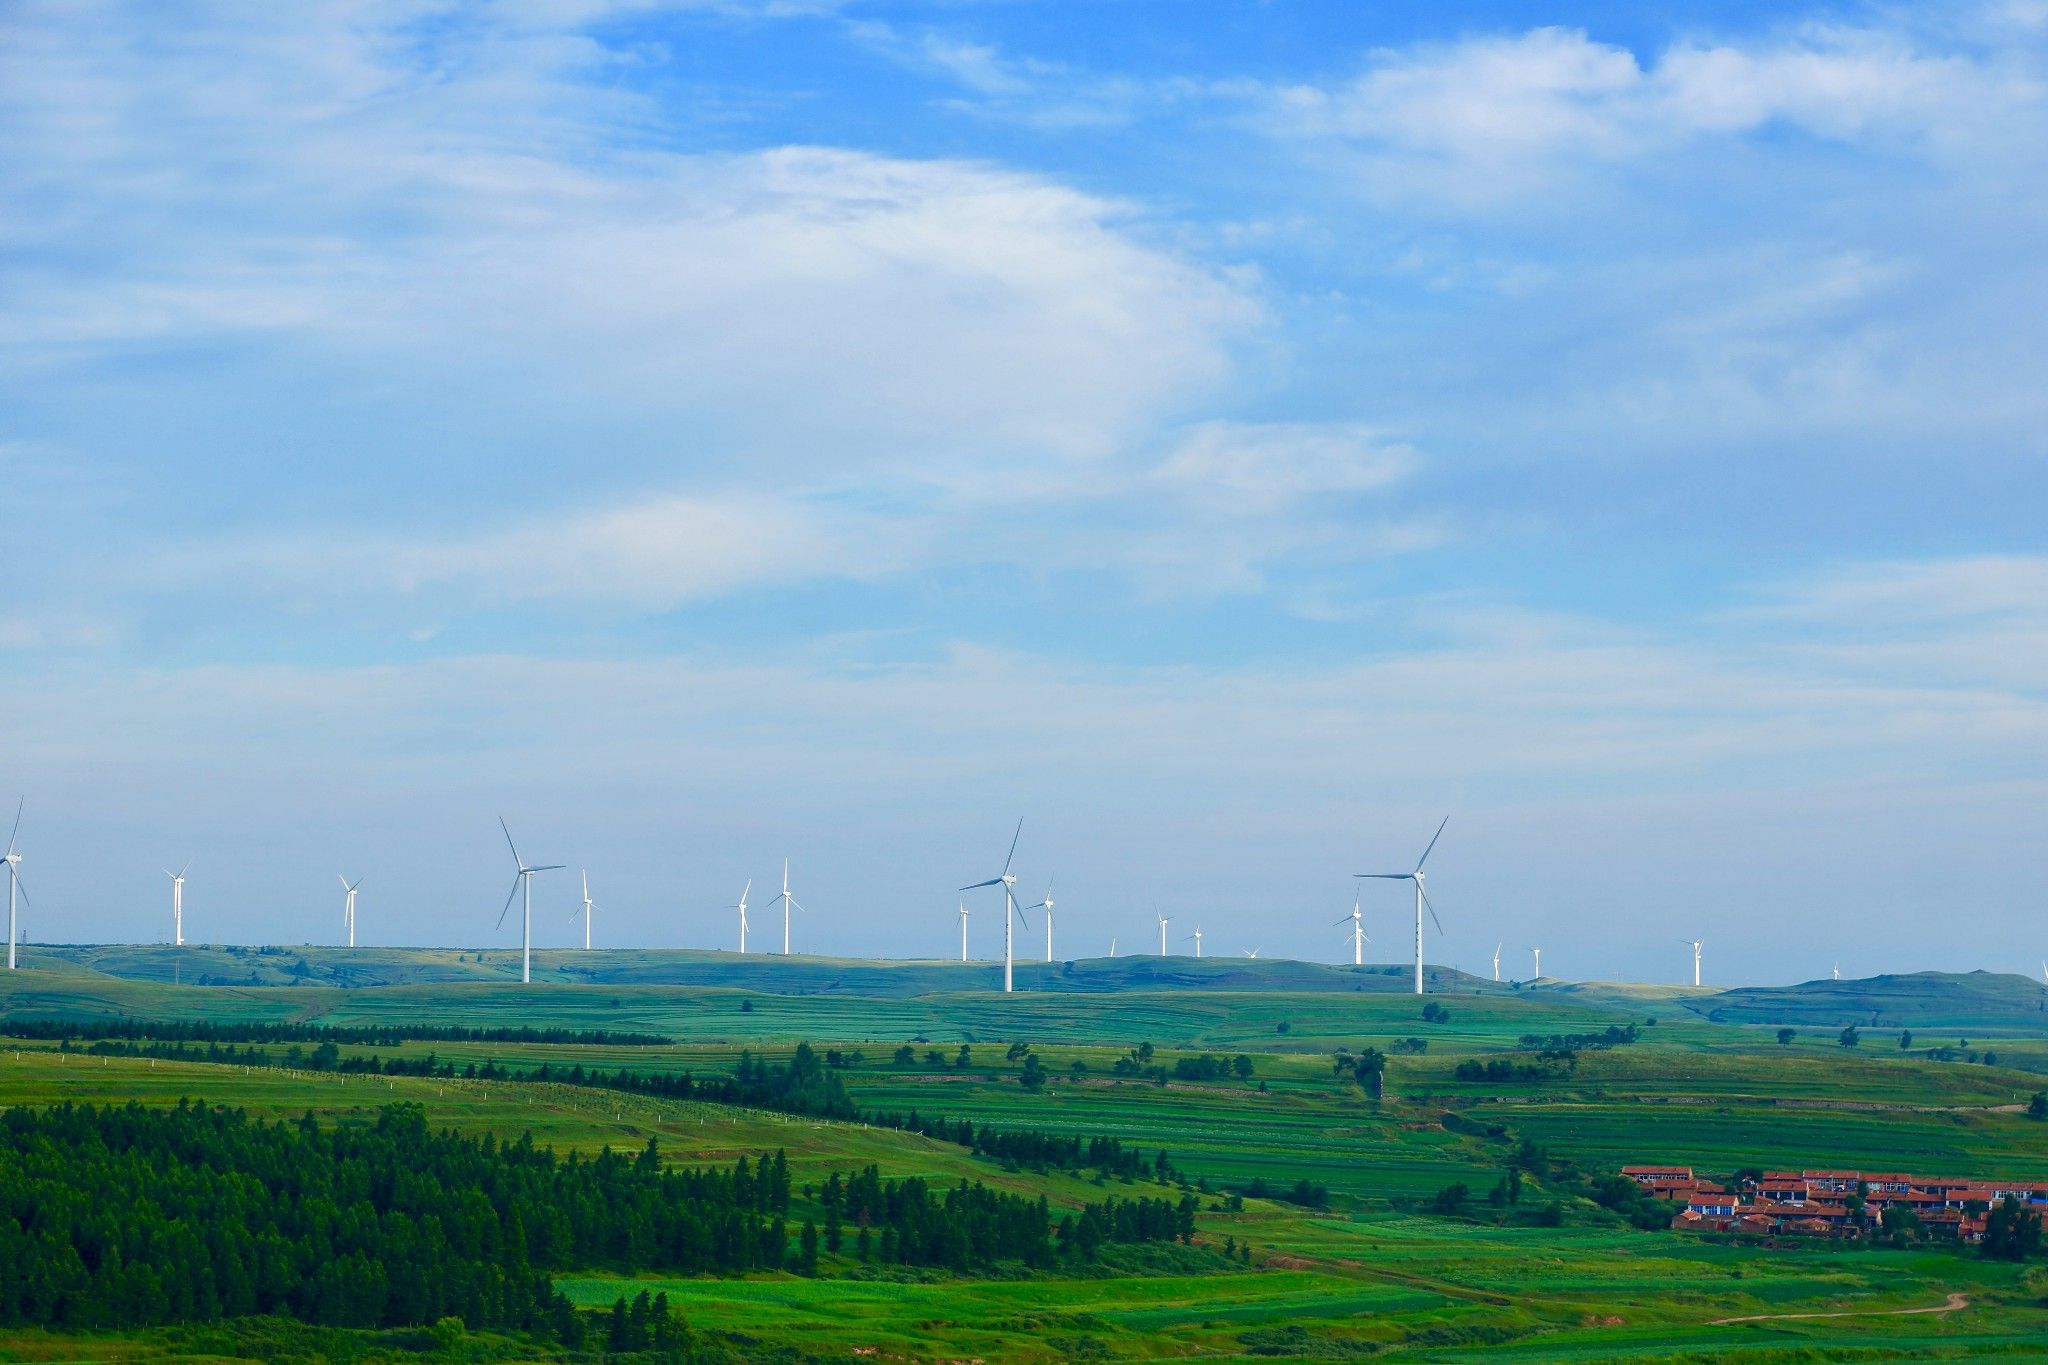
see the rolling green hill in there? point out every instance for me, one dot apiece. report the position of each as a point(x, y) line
point(1917, 1000)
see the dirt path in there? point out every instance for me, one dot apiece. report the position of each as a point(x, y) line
point(1949, 1305)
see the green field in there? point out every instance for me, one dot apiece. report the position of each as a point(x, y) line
point(1375, 1272)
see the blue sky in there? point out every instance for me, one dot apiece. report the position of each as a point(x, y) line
point(1231, 436)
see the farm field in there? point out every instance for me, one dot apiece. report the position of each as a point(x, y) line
point(1376, 1271)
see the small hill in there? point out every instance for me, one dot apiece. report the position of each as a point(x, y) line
point(770, 974)
point(1981, 1001)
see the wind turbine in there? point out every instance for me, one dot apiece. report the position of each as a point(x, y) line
point(1012, 915)
point(1251, 952)
point(1112, 953)
point(2044, 970)
point(787, 901)
point(1421, 898)
point(963, 931)
point(1359, 938)
point(1697, 944)
point(1046, 905)
point(1197, 937)
point(742, 908)
point(1539, 962)
point(1837, 973)
point(13, 860)
point(178, 903)
point(348, 907)
point(1164, 920)
point(588, 906)
point(1496, 960)
point(523, 882)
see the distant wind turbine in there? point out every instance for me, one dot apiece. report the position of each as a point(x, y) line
point(178, 903)
point(1697, 944)
point(522, 882)
point(787, 901)
point(963, 931)
point(13, 860)
point(1197, 937)
point(1539, 962)
point(1496, 960)
point(742, 908)
point(1837, 973)
point(1359, 938)
point(588, 906)
point(348, 906)
point(1164, 920)
point(2044, 970)
point(1421, 897)
point(1012, 913)
point(1046, 905)
point(1112, 949)
point(1251, 952)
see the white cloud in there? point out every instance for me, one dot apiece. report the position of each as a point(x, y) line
point(1496, 117)
point(474, 191)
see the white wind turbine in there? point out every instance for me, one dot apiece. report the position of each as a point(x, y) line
point(588, 906)
point(1013, 914)
point(963, 931)
point(1197, 937)
point(1697, 944)
point(742, 908)
point(13, 860)
point(523, 882)
point(1359, 938)
point(348, 907)
point(1046, 905)
point(1539, 962)
point(1112, 952)
point(1164, 920)
point(1496, 960)
point(178, 903)
point(787, 901)
point(1421, 898)
point(1251, 952)
point(2044, 970)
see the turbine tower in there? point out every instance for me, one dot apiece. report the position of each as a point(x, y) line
point(13, 860)
point(1164, 920)
point(1112, 952)
point(1697, 944)
point(1359, 938)
point(963, 931)
point(348, 907)
point(522, 882)
point(1197, 937)
point(1539, 962)
point(1496, 960)
point(787, 901)
point(178, 903)
point(1421, 898)
point(1013, 915)
point(588, 906)
point(742, 908)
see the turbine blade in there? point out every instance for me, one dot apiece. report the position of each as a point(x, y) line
point(186, 868)
point(1432, 913)
point(510, 897)
point(1386, 876)
point(798, 904)
point(1432, 844)
point(1013, 845)
point(1345, 920)
point(20, 890)
point(508, 842)
point(992, 881)
point(19, 806)
point(343, 880)
point(548, 867)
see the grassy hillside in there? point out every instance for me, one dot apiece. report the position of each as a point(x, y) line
point(1918, 1000)
point(799, 974)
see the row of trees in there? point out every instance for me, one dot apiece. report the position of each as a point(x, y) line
point(1034, 1150)
point(367, 1035)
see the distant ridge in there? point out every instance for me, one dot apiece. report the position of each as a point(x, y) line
point(1915, 1000)
point(771, 974)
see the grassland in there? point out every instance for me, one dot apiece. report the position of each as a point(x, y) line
point(1373, 1273)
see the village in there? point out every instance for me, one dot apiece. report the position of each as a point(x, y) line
point(1835, 1203)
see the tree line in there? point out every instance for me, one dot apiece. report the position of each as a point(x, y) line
point(367, 1035)
point(115, 1217)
